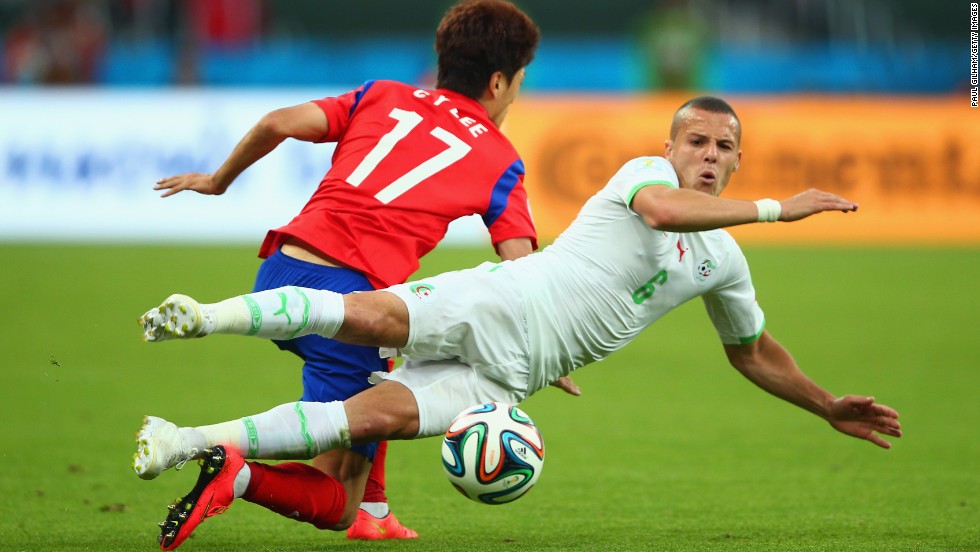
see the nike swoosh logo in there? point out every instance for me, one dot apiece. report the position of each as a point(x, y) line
point(380, 529)
point(208, 512)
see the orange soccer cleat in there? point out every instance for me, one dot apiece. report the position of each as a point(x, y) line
point(368, 527)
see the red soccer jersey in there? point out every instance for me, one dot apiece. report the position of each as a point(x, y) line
point(408, 162)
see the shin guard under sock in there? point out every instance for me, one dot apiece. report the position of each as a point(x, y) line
point(282, 313)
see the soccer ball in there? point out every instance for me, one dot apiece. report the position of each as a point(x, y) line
point(493, 453)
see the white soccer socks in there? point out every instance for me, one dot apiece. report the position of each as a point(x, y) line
point(242, 479)
point(281, 313)
point(291, 431)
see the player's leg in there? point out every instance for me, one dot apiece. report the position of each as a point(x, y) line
point(280, 433)
point(292, 489)
point(308, 493)
point(375, 503)
point(299, 430)
point(375, 520)
point(417, 400)
point(335, 371)
point(332, 371)
point(449, 308)
point(291, 431)
point(373, 318)
point(375, 499)
point(369, 523)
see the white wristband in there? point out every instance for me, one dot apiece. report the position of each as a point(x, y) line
point(769, 210)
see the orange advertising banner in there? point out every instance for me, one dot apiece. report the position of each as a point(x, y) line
point(912, 164)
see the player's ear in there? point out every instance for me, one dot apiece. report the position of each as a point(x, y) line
point(668, 149)
point(498, 83)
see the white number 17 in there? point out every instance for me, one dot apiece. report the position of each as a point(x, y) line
point(407, 120)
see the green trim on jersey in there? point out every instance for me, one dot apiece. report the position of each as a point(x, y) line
point(629, 197)
point(754, 338)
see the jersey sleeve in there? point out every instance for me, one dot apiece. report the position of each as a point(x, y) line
point(641, 172)
point(732, 306)
point(509, 213)
point(339, 110)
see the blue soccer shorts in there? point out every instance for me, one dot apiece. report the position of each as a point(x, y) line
point(332, 371)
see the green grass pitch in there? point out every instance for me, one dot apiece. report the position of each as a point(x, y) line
point(667, 449)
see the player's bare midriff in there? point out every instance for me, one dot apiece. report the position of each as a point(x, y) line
point(297, 249)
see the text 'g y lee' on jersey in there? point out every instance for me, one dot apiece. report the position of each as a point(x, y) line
point(407, 163)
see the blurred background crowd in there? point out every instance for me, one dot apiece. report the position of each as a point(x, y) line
point(741, 46)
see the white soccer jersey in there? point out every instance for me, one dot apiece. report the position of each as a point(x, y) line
point(610, 275)
point(520, 325)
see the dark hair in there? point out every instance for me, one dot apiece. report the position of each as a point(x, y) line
point(476, 38)
point(710, 104)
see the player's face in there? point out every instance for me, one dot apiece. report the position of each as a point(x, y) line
point(514, 86)
point(507, 94)
point(705, 151)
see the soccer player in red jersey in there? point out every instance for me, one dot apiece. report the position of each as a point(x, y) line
point(408, 161)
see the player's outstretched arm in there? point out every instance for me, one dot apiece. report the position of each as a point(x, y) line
point(682, 210)
point(305, 122)
point(770, 366)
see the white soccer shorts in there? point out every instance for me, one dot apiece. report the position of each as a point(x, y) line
point(467, 342)
point(444, 388)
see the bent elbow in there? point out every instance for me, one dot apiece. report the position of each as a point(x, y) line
point(663, 218)
point(742, 357)
point(273, 124)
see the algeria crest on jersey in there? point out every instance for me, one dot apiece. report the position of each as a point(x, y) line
point(424, 292)
point(704, 270)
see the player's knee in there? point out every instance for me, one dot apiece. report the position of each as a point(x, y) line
point(378, 426)
point(375, 325)
point(374, 319)
point(386, 411)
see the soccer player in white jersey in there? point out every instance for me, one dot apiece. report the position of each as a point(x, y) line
point(650, 240)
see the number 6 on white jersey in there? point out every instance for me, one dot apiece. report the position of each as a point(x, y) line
point(407, 120)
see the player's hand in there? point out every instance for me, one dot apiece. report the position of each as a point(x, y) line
point(198, 182)
point(811, 202)
point(566, 384)
point(861, 417)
